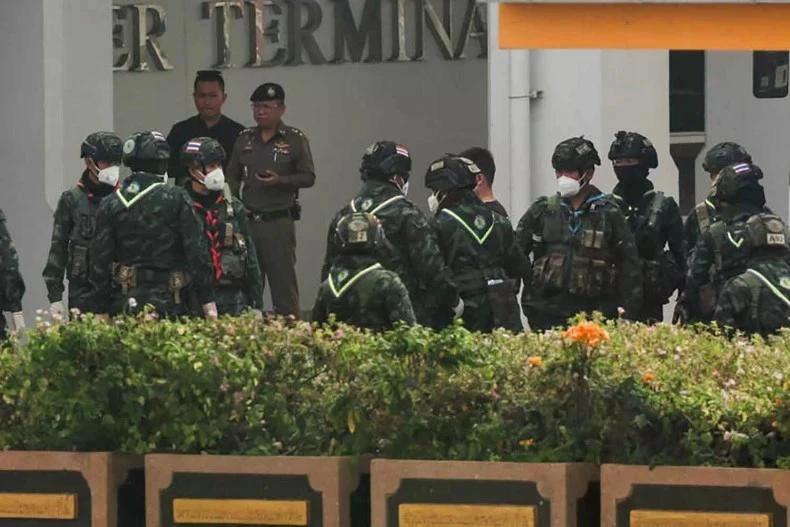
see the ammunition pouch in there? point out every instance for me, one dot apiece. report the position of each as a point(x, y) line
point(130, 278)
point(548, 272)
point(233, 260)
point(78, 262)
point(591, 277)
point(660, 277)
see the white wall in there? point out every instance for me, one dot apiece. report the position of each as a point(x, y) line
point(434, 106)
point(762, 126)
point(56, 86)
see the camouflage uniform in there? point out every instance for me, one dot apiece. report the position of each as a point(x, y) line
point(700, 220)
point(237, 275)
point(583, 260)
point(410, 249)
point(478, 246)
point(653, 218)
point(757, 300)
point(11, 283)
point(358, 290)
point(75, 224)
point(722, 252)
point(148, 238)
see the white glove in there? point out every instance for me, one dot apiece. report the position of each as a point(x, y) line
point(458, 310)
point(19, 320)
point(57, 310)
point(258, 314)
point(210, 310)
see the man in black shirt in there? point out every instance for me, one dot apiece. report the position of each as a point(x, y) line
point(485, 179)
point(209, 95)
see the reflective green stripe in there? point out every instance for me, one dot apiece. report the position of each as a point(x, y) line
point(480, 240)
point(379, 207)
point(770, 286)
point(732, 241)
point(132, 201)
point(339, 293)
point(711, 205)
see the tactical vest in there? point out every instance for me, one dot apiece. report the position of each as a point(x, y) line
point(775, 311)
point(475, 231)
point(388, 253)
point(341, 280)
point(661, 275)
point(83, 221)
point(233, 252)
point(733, 243)
point(572, 254)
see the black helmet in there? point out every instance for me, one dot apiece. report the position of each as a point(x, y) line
point(358, 232)
point(633, 145)
point(102, 146)
point(576, 153)
point(734, 178)
point(724, 154)
point(145, 146)
point(202, 151)
point(384, 159)
point(451, 173)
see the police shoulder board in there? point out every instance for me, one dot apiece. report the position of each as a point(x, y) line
point(369, 205)
point(340, 281)
point(476, 224)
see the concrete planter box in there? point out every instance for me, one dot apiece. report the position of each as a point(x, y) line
point(72, 489)
point(256, 490)
point(637, 496)
point(469, 493)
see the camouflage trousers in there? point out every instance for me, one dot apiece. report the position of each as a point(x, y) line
point(159, 297)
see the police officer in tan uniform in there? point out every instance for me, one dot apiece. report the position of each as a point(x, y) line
point(268, 166)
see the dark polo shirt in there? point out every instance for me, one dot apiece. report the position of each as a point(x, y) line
point(225, 131)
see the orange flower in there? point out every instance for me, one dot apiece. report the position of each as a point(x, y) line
point(535, 361)
point(526, 443)
point(648, 377)
point(588, 333)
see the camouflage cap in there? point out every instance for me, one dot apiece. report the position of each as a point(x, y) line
point(358, 232)
point(102, 146)
point(202, 151)
point(146, 146)
point(633, 145)
point(724, 154)
point(450, 173)
point(384, 159)
point(576, 153)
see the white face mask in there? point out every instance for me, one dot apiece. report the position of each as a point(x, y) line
point(568, 187)
point(215, 180)
point(433, 203)
point(109, 175)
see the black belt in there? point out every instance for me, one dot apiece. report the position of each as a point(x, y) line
point(269, 215)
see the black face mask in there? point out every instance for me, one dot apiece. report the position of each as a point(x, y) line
point(629, 174)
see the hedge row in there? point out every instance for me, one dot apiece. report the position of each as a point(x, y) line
point(603, 392)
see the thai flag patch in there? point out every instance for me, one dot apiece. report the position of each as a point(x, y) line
point(740, 168)
point(192, 146)
point(401, 151)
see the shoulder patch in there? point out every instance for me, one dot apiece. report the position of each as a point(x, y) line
point(784, 282)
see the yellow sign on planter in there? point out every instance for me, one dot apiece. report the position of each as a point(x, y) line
point(18, 505)
point(652, 518)
point(245, 512)
point(432, 515)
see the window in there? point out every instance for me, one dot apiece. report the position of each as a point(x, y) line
point(686, 91)
point(769, 73)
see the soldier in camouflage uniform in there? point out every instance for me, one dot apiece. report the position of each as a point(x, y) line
point(12, 287)
point(758, 300)
point(723, 250)
point(653, 217)
point(584, 256)
point(75, 223)
point(238, 277)
point(149, 241)
point(478, 246)
point(411, 249)
point(700, 219)
point(358, 290)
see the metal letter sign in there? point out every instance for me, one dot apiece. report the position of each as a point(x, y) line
point(283, 32)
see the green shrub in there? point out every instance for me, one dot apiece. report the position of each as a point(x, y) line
point(600, 392)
